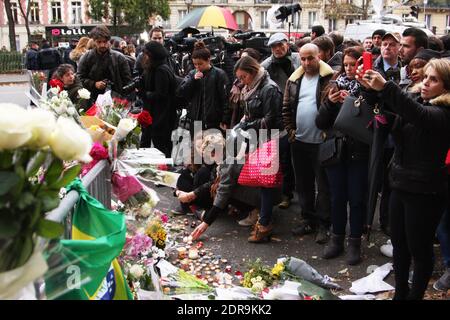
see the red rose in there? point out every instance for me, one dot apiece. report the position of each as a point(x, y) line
point(56, 83)
point(145, 119)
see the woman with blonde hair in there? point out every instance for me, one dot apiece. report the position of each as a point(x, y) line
point(418, 175)
point(79, 50)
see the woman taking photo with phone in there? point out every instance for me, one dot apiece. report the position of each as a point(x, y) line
point(418, 176)
point(347, 169)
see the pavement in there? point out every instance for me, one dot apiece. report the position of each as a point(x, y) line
point(229, 240)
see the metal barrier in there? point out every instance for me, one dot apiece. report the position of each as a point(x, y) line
point(97, 182)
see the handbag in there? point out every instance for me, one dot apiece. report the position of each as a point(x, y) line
point(262, 167)
point(354, 119)
point(331, 151)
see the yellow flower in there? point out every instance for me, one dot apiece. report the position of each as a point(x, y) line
point(277, 269)
point(94, 127)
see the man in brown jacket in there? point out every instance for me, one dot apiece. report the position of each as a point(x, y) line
point(300, 106)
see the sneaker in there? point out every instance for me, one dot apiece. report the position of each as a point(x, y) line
point(443, 283)
point(410, 277)
point(322, 235)
point(285, 202)
point(303, 229)
point(251, 219)
point(387, 249)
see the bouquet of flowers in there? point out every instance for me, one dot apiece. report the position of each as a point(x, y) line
point(114, 112)
point(258, 277)
point(155, 230)
point(32, 141)
point(38, 79)
point(59, 102)
point(181, 282)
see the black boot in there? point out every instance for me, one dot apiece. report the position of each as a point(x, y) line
point(354, 251)
point(335, 248)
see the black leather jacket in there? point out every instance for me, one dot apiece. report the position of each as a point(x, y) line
point(208, 97)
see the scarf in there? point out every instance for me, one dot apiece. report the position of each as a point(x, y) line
point(352, 86)
point(249, 90)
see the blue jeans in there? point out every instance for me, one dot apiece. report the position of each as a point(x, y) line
point(265, 216)
point(348, 184)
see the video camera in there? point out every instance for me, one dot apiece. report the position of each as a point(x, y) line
point(255, 40)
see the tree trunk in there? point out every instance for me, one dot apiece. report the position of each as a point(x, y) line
point(12, 31)
point(25, 17)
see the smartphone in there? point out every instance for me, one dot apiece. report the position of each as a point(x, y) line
point(367, 61)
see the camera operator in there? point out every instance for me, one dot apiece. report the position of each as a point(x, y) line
point(102, 67)
point(156, 88)
point(157, 35)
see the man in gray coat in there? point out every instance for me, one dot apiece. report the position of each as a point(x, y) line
point(280, 65)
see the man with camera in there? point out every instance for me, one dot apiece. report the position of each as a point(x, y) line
point(280, 65)
point(102, 68)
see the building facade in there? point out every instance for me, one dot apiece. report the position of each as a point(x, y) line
point(62, 19)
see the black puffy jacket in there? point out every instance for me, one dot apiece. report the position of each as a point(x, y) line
point(422, 139)
point(208, 97)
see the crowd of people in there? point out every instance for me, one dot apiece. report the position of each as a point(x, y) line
point(299, 90)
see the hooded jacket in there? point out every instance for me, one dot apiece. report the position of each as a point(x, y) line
point(422, 139)
point(291, 94)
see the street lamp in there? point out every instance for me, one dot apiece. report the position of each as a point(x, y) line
point(188, 4)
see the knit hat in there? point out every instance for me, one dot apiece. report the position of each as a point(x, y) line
point(380, 32)
point(427, 54)
point(157, 50)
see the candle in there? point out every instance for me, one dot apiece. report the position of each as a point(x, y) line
point(181, 253)
point(193, 253)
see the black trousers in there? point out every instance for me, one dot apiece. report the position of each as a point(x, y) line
point(413, 220)
point(287, 168)
point(385, 188)
point(162, 142)
point(316, 210)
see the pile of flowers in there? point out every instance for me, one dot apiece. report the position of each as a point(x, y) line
point(155, 230)
point(259, 277)
point(33, 148)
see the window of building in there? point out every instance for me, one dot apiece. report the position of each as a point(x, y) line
point(297, 20)
point(264, 21)
point(76, 12)
point(240, 20)
point(347, 21)
point(332, 25)
point(312, 17)
point(15, 12)
point(56, 12)
point(447, 24)
point(182, 14)
point(34, 12)
point(428, 20)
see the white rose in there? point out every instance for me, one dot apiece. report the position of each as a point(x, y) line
point(84, 94)
point(146, 210)
point(137, 271)
point(14, 126)
point(71, 111)
point(70, 142)
point(54, 90)
point(42, 124)
point(63, 95)
point(54, 100)
point(124, 127)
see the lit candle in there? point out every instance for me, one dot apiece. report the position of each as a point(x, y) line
point(193, 253)
point(181, 253)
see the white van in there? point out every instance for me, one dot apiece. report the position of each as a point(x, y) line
point(363, 29)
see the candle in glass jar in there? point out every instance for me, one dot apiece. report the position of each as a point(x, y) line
point(193, 253)
point(181, 253)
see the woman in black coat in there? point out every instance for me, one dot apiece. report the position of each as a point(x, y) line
point(418, 176)
point(262, 101)
point(156, 90)
point(66, 74)
point(347, 169)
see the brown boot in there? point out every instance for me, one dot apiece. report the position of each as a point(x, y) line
point(261, 233)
